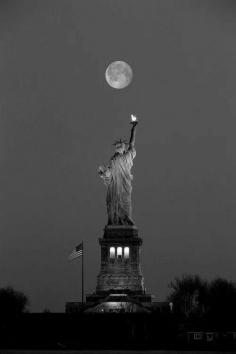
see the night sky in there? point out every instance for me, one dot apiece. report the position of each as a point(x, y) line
point(59, 118)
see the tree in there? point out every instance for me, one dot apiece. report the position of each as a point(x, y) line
point(222, 298)
point(12, 302)
point(189, 295)
point(46, 310)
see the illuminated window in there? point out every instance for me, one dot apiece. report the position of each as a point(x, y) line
point(112, 252)
point(126, 252)
point(119, 252)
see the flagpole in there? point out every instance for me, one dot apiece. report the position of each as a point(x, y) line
point(82, 270)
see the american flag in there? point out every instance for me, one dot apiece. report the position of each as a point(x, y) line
point(77, 252)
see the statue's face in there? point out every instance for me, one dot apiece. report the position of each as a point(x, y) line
point(120, 148)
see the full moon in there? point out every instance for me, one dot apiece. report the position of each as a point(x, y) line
point(118, 74)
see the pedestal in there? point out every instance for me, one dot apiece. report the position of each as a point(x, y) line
point(120, 284)
point(120, 261)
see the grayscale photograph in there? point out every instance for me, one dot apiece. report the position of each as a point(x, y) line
point(117, 176)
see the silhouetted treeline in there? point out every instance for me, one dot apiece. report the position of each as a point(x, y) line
point(193, 296)
point(203, 315)
point(12, 302)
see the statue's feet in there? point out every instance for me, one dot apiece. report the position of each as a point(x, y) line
point(121, 222)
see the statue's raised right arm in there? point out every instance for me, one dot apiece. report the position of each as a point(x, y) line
point(132, 135)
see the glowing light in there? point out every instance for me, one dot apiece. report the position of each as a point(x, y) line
point(133, 118)
point(126, 252)
point(119, 251)
point(112, 252)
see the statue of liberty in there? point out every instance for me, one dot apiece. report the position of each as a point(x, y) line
point(117, 177)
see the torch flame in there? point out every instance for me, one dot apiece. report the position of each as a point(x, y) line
point(133, 118)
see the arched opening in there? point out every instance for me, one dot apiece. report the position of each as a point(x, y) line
point(126, 252)
point(112, 252)
point(119, 252)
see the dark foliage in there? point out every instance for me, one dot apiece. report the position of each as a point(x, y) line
point(12, 302)
point(222, 299)
point(189, 295)
point(193, 296)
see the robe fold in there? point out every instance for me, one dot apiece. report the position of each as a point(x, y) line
point(118, 178)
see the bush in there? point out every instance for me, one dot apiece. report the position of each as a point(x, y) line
point(12, 302)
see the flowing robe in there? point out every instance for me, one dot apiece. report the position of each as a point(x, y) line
point(118, 178)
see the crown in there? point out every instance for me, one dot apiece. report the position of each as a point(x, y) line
point(120, 142)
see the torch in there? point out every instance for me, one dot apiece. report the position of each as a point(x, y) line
point(134, 120)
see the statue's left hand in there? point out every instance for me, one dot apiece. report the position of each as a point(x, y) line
point(101, 170)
